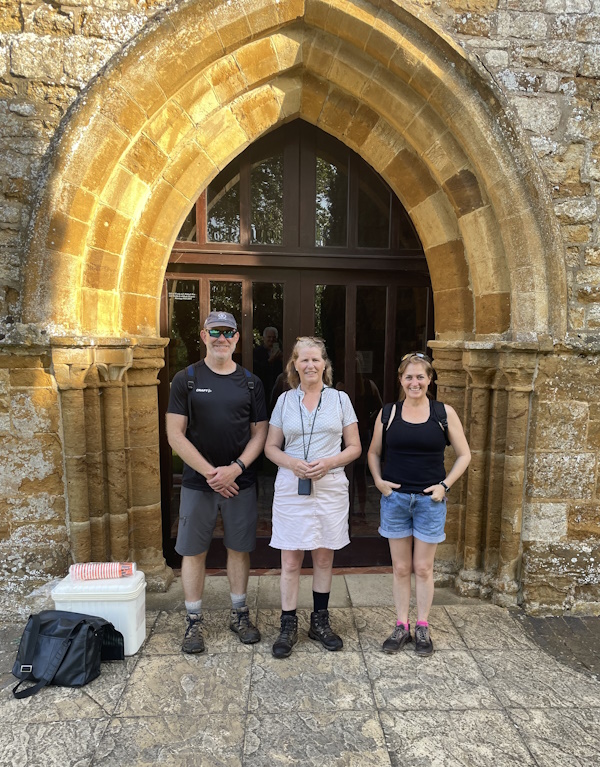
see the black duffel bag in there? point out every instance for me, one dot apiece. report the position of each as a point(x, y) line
point(64, 648)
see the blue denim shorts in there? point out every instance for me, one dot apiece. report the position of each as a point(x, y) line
point(404, 514)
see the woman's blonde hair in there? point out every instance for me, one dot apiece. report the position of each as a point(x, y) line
point(418, 358)
point(308, 341)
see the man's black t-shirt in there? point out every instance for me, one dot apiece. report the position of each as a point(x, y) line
point(221, 418)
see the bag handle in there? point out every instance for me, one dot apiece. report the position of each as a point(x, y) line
point(53, 664)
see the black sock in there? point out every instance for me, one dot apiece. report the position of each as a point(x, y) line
point(288, 612)
point(320, 601)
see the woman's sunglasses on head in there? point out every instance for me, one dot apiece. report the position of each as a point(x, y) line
point(216, 332)
point(416, 354)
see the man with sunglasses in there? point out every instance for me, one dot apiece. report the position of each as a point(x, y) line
point(217, 424)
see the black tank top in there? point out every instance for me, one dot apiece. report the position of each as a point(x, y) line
point(414, 453)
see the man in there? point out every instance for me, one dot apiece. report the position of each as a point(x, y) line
point(268, 361)
point(218, 444)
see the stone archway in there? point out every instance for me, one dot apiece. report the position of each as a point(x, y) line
point(160, 122)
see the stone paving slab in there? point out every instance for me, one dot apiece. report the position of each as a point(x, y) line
point(492, 694)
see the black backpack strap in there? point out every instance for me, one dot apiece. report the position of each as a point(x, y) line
point(252, 394)
point(53, 664)
point(191, 385)
point(439, 410)
point(386, 412)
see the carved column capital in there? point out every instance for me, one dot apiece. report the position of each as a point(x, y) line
point(71, 366)
point(481, 366)
point(518, 368)
point(112, 364)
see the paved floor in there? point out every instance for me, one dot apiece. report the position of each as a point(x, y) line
point(490, 695)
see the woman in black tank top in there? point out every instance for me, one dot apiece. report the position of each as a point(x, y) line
point(413, 485)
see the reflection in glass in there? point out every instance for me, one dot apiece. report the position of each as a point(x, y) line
point(188, 229)
point(268, 355)
point(368, 389)
point(223, 206)
point(330, 325)
point(374, 201)
point(266, 201)
point(412, 306)
point(184, 324)
point(331, 203)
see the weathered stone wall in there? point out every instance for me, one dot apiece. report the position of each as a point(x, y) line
point(33, 532)
point(542, 60)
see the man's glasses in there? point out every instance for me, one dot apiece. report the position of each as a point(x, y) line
point(216, 332)
point(416, 354)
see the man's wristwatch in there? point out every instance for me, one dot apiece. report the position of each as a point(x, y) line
point(240, 463)
point(445, 486)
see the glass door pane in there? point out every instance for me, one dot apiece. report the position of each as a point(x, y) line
point(330, 325)
point(226, 296)
point(368, 399)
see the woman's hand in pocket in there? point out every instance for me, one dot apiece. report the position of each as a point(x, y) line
point(387, 488)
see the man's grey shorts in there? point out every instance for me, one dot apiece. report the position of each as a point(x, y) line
point(198, 511)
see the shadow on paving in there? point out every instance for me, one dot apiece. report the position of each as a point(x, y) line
point(570, 640)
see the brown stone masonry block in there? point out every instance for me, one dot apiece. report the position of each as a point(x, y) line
point(143, 266)
point(351, 70)
point(27, 378)
point(168, 127)
point(66, 235)
point(314, 93)
point(98, 311)
point(76, 202)
point(139, 314)
point(316, 12)
point(77, 489)
point(33, 411)
point(391, 98)
point(288, 92)
point(257, 111)
point(560, 426)
point(101, 270)
point(104, 145)
point(111, 100)
point(319, 56)
point(337, 112)
point(143, 416)
point(139, 83)
point(257, 61)
point(226, 79)
point(221, 136)
point(51, 484)
point(99, 532)
point(289, 47)
point(109, 230)
point(163, 213)
point(360, 126)
point(188, 169)
point(231, 24)
point(464, 192)
point(145, 160)
point(124, 192)
point(445, 157)
point(145, 523)
point(583, 521)
point(197, 98)
point(593, 435)
point(352, 24)
point(425, 129)
point(435, 221)
point(410, 177)
point(447, 266)
point(143, 466)
point(263, 16)
point(492, 312)
point(454, 310)
point(567, 476)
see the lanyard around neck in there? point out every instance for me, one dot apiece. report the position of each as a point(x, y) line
point(305, 447)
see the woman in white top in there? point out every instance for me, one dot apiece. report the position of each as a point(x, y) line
point(310, 506)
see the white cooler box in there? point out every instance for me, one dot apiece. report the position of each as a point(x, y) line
point(122, 601)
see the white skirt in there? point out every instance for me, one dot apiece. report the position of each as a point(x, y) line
point(315, 521)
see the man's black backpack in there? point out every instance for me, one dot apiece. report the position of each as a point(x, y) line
point(439, 411)
point(191, 385)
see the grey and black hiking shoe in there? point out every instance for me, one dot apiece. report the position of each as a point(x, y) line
point(320, 629)
point(397, 639)
point(193, 641)
point(242, 625)
point(287, 638)
point(423, 643)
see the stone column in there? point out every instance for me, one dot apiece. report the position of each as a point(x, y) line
point(93, 396)
point(143, 463)
point(112, 364)
point(481, 365)
point(70, 367)
point(451, 389)
point(518, 367)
